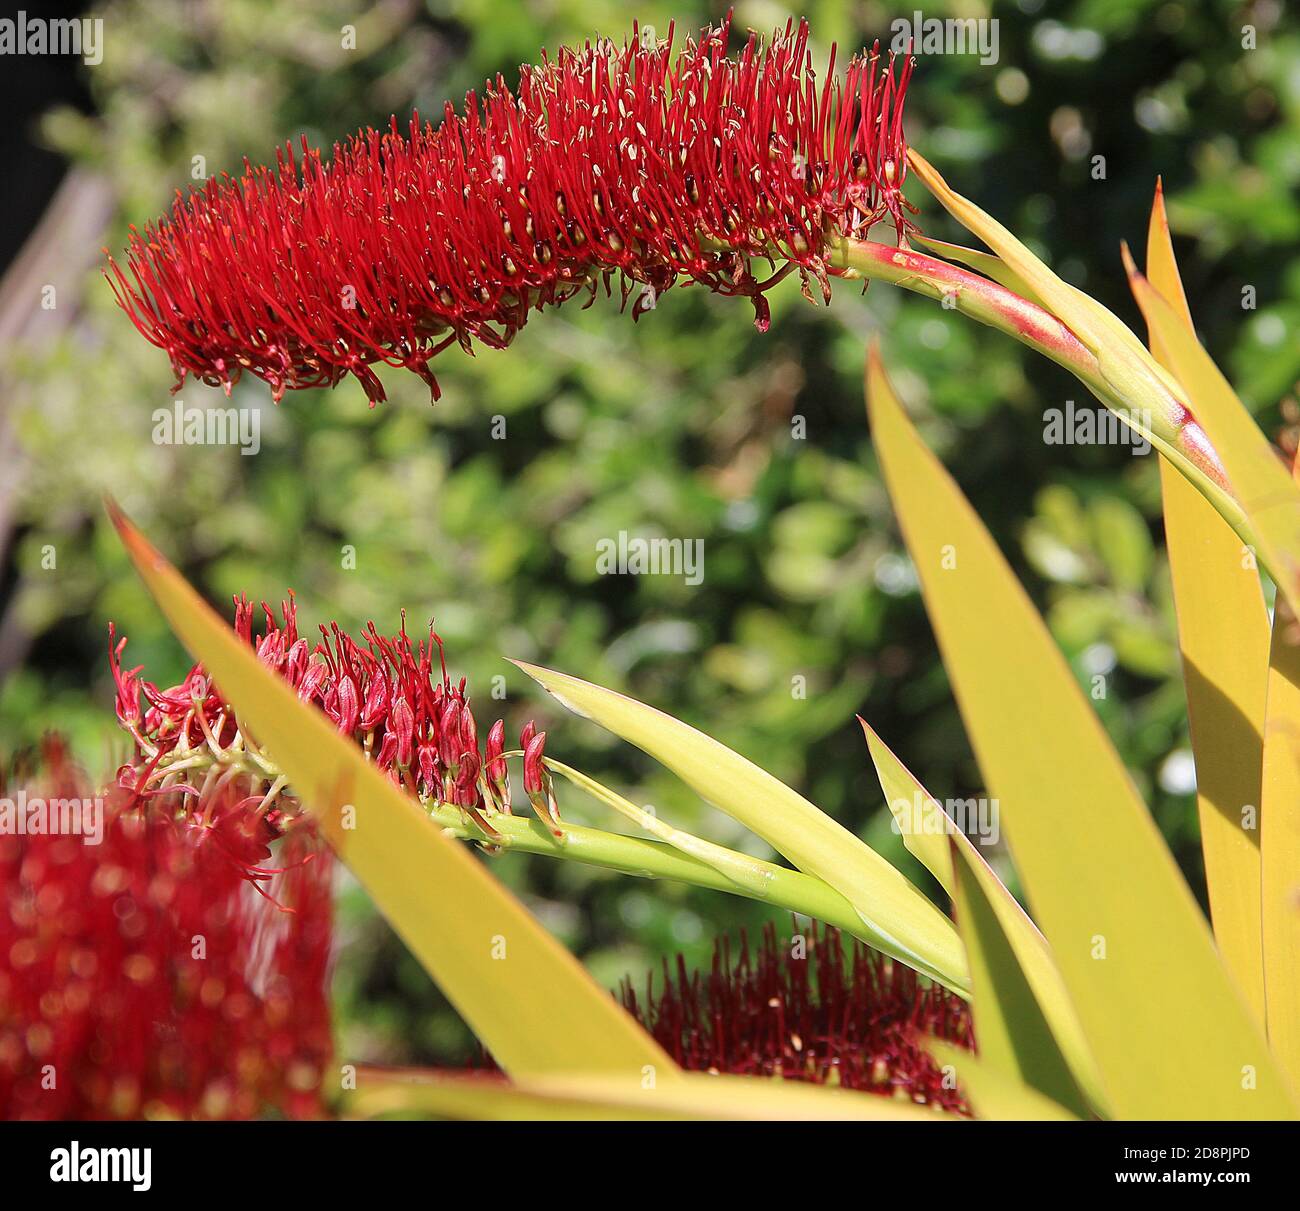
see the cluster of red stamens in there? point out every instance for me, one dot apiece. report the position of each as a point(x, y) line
point(385, 693)
point(632, 162)
point(801, 1011)
point(141, 976)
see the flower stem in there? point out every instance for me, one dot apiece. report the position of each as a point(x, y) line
point(1179, 439)
point(783, 888)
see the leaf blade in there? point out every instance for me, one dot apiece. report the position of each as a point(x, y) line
point(1268, 495)
point(1280, 844)
point(1224, 639)
point(992, 1094)
point(903, 922)
point(1171, 1034)
point(1028, 948)
point(692, 1096)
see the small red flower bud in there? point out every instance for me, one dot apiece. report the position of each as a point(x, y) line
point(376, 706)
point(496, 744)
point(401, 720)
point(387, 751)
point(468, 730)
point(427, 757)
point(312, 681)
point(449, 734)
point(347, 711)
point(533, 763)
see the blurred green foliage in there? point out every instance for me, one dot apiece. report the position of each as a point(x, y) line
point(689, 424)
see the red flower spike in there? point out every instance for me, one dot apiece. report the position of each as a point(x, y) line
point(634, 163)
point(805, 1011)
point(102, 986)
point(381, 691)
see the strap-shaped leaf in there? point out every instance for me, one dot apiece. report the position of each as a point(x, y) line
point(1014, 1036)
point(1223, 636)
point(992, 1094)
point(693, 1096)
point(1280, 844)
point(1044, 1044)
point(897, 918)
point(1264, 489)
point(527, 999)
point(1170, 1032)
point(1123, 360)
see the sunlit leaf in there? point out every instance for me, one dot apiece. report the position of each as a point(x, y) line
point(1014, 1036)
point(691, 1096)
point(1223, 635)
point(1170, 1032)
point(1018, 945)
point(1279, 824)
point(991, 1093)
point(1267, 493)
point(527, 999)
point(1122, 358)
point(897, 918)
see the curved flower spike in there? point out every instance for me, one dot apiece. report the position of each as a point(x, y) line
point(635, 163)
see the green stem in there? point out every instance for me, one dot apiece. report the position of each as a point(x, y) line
point(783, 888)
point(991, 303)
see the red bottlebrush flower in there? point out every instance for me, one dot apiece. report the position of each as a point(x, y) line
point(808, 1014)
point(413, 722)
point(635, 162)
point(144, 975)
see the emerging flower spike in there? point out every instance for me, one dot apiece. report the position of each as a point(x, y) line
point(799, 1010)
point(635, 162)
point(384, 692)
point(142, 976)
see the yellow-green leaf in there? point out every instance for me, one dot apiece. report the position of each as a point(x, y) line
point(692, 1096)
point(1014, 1037)
point(1261, 484)
point(1024, 945)
point(1223, 636)
point(898, 917)
point(528, 1000)
point(1170, 1032)
point(902, 795)
point(1122, 359)
point(992, 1094)
point(1280, 844)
